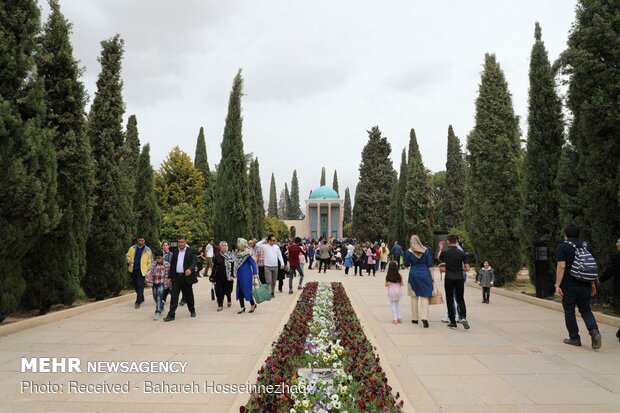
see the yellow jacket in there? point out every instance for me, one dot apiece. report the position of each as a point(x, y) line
point(145, 260)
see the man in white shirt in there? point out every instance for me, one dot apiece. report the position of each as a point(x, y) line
point(273, 256)
point(209, 253)
point(183, 276)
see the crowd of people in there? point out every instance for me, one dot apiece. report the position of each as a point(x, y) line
point(172, 272)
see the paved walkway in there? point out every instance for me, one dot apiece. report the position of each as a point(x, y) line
point(512, 359)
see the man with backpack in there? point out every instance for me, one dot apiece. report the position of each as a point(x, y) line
point(576, 275)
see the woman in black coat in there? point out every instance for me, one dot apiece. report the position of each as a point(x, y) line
point(222, 275)
point(613, 271)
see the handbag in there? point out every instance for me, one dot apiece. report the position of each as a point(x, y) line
point(212, 293)
point(437, 297)
point(261, 293)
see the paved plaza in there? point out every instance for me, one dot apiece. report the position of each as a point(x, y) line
point(512, 359)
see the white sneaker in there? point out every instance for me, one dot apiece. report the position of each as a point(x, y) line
point(446, 319)
point(156, 316)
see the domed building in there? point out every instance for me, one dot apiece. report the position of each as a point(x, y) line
point(324, 215)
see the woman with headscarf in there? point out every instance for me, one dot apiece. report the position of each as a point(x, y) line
point(418, 257)
point(370, 257)
point(384, 252)
point(245, 271)
point(222, 274)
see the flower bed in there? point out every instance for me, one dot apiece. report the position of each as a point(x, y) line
point(324, 333)
point(281, 366)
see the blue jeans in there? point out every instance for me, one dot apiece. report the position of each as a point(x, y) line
point(158, 295)
point(577, 294)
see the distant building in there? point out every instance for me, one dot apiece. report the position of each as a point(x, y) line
point(324, 215)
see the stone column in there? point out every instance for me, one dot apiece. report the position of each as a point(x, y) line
point(329, 219)
point(341, 217)
point(318, 220)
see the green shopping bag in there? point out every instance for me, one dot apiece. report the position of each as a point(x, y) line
point(261, 293)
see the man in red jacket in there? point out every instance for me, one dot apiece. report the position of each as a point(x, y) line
point(294, 250)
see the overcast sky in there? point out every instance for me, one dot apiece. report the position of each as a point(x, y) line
point(318, 74)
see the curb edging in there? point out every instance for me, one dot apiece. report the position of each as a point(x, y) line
point(21, 325)
point(552, 305)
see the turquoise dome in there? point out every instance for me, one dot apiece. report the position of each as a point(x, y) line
point(324, 192)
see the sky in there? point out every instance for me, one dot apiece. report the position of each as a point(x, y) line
point(318, 74)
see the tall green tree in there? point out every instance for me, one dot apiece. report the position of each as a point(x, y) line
point(438, 183)
point(417, 200)
point(569, 208)
point(371, 199)
point(541, 226)
point(347, 207)
point(272, 210)
point(323, 176)
point(148, 215)
point(232, 204)
point(591, 64)
point(108, 234)
point(493, 199)
point(393, 211)
point(335, 182)
point(129, 169)
point(179, 186)
point(53, 274)
point(396, 207)
point(295, 210)
point(257, 204)
point(283, 202)
point(201, 163)
point(288, 205)
point(453, 194)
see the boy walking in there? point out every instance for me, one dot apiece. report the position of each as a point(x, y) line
point(157, 279)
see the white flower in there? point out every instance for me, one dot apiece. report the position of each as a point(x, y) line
point(293, 410)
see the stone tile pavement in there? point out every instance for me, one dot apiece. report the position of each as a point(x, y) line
point(512, 359)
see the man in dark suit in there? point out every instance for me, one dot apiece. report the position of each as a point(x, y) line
point(183, 276)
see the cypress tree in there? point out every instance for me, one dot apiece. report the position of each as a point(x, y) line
point(283, 202)
point(569, 208)
point(396, 207)
point(295, 210)
point(57, 261)
point(28, 204)
point(180, 194)
point(544, 146)
point(347, 206)
point(288, 205)
point(453, 196)
point(129, 168)
point(272, 210)
point(438, 183)
point(232, 208)
point(394, 210)
point(371, 198)
point(201, 163)
point(417, 202)
point(148, 215)
point(108, 234)
point(257, 206)
point(335, 182)
point(323, 177)
point(493, 199)
point(591, 63)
